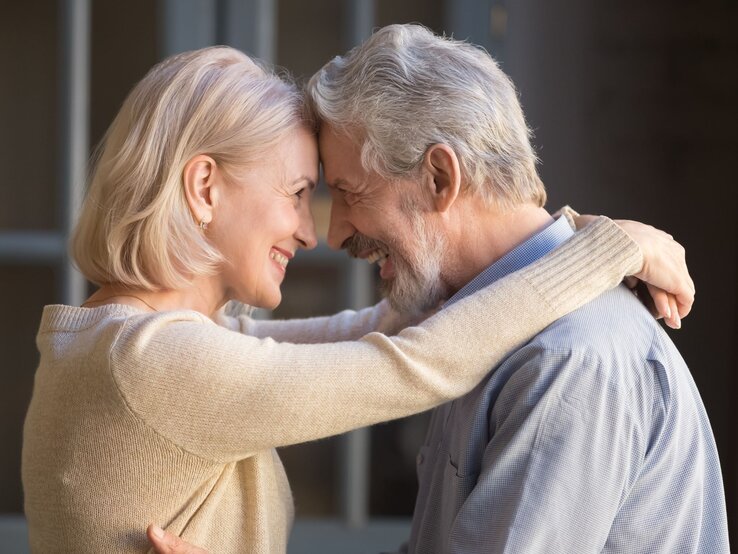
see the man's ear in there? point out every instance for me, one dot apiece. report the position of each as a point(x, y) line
point(444, 175)
point(199, 176)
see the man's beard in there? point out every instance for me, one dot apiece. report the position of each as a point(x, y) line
point(417, 285)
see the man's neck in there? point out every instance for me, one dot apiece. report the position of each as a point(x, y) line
point(478, 237)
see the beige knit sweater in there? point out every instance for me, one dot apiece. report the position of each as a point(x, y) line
point(169, 418)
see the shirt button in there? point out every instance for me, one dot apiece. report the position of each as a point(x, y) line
point(420, 459)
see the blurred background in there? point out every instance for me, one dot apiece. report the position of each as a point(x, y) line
point(633, 105)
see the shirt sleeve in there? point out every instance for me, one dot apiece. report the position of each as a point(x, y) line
point(566, 447)
point(224, 395)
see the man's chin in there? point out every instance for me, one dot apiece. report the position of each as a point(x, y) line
point(418, 301)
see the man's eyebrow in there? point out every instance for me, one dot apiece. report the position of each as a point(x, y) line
point(337, 183)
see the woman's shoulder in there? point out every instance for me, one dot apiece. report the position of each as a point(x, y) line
point(121, 324)
point(61, 317)
point(166, 338)
point(137, 325)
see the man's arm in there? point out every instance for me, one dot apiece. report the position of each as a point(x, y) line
point(344, 326)
point(164, 542)
point(668, 266)
point(566, 447)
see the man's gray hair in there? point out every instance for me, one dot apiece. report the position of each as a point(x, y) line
point(405, 89)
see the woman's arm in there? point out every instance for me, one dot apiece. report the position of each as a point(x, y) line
point(664, 279)
point(664, 263)
point(223, 395)
point(664, 272)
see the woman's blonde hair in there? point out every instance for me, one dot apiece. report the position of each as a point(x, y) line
point(135, 227)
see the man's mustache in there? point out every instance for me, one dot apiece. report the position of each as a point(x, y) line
point(359, 243)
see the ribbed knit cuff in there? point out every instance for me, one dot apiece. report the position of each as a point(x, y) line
point(595, 259)
point(569, 213)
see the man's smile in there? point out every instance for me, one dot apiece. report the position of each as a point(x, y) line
point(379, 256)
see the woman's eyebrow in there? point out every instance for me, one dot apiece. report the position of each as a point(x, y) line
point(311, 183)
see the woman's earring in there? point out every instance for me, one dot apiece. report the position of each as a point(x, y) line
point(203, 224)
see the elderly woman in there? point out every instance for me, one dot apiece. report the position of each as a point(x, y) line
point(146, 409)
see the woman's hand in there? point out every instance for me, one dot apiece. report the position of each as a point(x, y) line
point(664, 270)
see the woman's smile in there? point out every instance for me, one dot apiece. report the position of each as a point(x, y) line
point(280, 257)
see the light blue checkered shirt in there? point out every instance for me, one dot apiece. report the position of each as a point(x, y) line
point(590, 438)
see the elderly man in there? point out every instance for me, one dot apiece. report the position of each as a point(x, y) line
point(590, 438)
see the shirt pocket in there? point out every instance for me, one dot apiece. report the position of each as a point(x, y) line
point(420, 460)
point(451, 494)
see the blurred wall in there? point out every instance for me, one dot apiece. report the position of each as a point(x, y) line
point(123, 49)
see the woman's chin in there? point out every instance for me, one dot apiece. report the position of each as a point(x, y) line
point(268, 304)
point(261, 300)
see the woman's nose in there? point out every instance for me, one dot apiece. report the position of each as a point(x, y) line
point(305, 234)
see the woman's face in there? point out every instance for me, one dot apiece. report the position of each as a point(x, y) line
point(263, 217)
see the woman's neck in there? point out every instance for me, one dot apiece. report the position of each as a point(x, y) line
point(203, 297)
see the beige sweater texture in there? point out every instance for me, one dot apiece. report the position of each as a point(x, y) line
point(171, 418)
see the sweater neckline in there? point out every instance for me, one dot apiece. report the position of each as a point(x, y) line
point(62, 316)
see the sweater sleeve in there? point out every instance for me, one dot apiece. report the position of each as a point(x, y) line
point(343, 326)
point(223, 395)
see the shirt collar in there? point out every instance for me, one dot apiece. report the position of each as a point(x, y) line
point(522, 255)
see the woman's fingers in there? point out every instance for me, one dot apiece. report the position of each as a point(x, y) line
point(666, 306)
point(675, 321)
point(684, 309)
point(660, 302)
point(631, 282)
point(664, 267)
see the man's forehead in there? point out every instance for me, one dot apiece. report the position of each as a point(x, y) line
point(340, 158)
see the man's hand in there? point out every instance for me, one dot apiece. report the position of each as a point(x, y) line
point(664, 271)
point(166, 543)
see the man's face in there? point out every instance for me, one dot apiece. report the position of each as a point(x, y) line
point(382, 222)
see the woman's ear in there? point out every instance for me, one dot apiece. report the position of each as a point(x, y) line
point(444, 175)
point(199, 177)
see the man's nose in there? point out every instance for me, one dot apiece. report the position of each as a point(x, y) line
point(340, 228)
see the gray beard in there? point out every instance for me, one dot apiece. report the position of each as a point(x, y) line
point(417, 286)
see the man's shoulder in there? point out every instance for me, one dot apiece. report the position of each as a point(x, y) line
point(608, 355)
point(612, 338)
point(613, 324)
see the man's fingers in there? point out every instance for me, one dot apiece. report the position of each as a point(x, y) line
point(167, 543)
point(160, 540)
